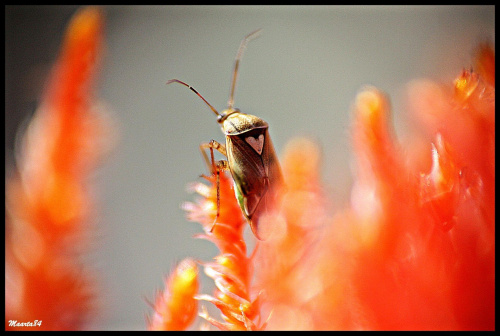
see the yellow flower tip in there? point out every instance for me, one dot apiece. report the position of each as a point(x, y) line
point(465, 84)
point(370, 105)
point(86, 23)
point(176, 307)
point(372, 129)
point(371, 115)
point(186, 275)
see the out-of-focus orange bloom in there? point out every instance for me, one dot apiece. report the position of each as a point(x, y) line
point(176, 307)
point(231, 269)
point(415, 250)
point(48, 203)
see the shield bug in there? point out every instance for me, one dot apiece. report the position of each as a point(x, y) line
point(251, 158)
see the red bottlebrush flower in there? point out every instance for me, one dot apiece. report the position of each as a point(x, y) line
point(284, 260)
point(175, 308)
point(48, 202)
point(231, 270)
point(415, 250)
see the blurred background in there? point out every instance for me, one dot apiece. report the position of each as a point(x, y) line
point(301, 76)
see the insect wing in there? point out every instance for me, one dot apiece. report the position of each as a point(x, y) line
point(271, 164)
point(257, 175)
point(248, 171)
point(274, 187)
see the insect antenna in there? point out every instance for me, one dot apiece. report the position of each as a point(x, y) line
point(199, 95)
point(243, 44)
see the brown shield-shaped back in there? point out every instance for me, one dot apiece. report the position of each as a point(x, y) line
point(255, 170)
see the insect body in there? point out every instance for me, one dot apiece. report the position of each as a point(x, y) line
point(251, 158)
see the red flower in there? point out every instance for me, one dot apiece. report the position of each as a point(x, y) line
point(414, 251)
point(176, 307)
point(48, 202)
point(231, 269)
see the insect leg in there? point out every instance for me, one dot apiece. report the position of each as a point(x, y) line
point(212, 145)
point(221, 165)
point(215, 167)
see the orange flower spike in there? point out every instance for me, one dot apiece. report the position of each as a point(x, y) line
point(176, 307)
point(68, 92)
point(302, 199)
point(474, 288)
point(302, 174)
point(231, 270)
point(227, 233)
point(66, 136)
point(474, 105)
point(392, 233)
point(453, 196)
point(475, 97)
point(47, 202)
point(373, 136)
point(205, 210)
point(458, 112)
point(382, 179)
point(286, 261)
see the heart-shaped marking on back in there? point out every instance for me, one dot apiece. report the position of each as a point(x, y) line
point(256, 143)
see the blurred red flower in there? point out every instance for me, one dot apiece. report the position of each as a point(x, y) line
point(415, 250)
point(48, 200)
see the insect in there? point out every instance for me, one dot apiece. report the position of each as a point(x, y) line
point(250, 154)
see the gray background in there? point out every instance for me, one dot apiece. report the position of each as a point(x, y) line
point(301, 75)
